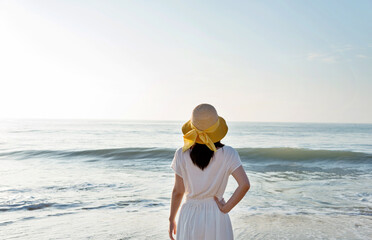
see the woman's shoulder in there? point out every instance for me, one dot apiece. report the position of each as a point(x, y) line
point(178, 155)
point(178, 151)
point(230, 151)
point(228, 148)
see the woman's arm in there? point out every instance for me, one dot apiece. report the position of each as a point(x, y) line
point(177, 195)
point(244, 185)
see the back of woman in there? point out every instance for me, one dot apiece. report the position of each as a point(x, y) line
point(202, 168)
point(212, 180)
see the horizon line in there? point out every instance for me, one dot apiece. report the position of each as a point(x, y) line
point(162, 120)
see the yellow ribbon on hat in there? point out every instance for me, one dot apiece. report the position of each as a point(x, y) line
point(190, 137)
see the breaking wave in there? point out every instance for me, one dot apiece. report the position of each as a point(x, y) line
point(246, 154)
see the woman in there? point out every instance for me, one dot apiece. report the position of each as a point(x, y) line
point(202, 168)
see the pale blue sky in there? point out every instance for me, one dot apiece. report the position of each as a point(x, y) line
point(292, 61)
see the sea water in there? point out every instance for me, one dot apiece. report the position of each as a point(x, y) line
point(96, 179)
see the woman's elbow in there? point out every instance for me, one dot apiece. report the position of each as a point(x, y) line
point(177, 192)
point(246, 186)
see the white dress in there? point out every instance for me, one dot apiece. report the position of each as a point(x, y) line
point(199, 217)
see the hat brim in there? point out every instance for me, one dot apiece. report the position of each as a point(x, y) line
point(216, 136)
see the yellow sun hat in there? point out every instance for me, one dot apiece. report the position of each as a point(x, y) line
point(204, 127)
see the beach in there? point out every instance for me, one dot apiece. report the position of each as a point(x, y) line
point(111, 179)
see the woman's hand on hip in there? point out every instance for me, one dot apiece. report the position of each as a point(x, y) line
point(221, 204)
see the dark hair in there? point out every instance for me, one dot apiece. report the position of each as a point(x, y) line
point(201, 155)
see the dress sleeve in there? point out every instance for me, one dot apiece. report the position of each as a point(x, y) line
point(176, 165)
point(234, 162)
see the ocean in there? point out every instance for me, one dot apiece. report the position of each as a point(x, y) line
point(111, 179)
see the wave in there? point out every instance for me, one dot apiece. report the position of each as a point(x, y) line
point(113, 154)
point(166, 154)
point(37, 205)
point(25, 206)
point(303, 154)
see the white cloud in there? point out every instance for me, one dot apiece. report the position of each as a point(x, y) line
point(340, 53)
point(343, 48)
point(330, 59)
point(361, 56)
point(327, 58)
point(312, 56)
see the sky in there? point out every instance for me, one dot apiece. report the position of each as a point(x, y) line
point(270, 61)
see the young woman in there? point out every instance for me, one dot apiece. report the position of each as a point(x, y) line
point(202, 168)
